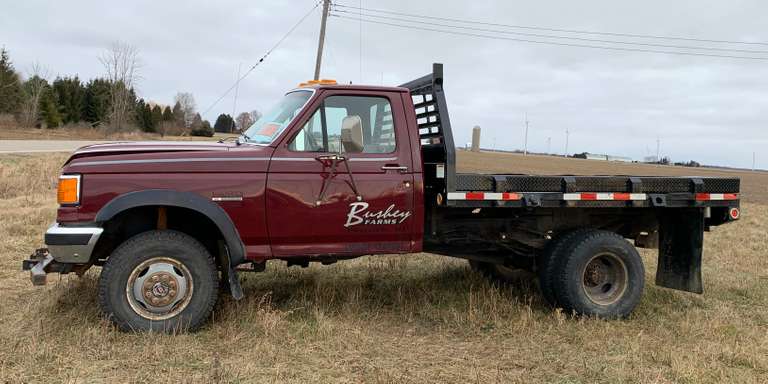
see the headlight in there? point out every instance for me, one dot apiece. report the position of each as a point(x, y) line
point(69, 190)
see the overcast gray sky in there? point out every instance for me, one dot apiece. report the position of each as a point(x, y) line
point(709, 109)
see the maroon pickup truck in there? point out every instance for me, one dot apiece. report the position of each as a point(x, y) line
point(335, 172)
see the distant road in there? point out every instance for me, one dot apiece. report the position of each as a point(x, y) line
point(32, 146)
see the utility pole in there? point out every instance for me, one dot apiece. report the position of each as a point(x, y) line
point(566, 142)
point(321, 40)
point(525, 149)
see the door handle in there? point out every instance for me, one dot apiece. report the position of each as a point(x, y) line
point(393, 167)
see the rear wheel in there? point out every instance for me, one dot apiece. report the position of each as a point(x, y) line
point(599, 273)
point(556, 249)
point(159, 281)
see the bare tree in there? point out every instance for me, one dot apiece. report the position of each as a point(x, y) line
point(188, 107)
point(34, 89)
point(244, 121)
point(121, 61)
point(255, 115)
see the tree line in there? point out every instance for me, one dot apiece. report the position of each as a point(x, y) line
point(109, 102)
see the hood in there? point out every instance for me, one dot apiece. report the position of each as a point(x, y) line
point(136, 147)
point(164, 156)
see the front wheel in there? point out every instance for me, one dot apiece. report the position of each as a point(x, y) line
point(162, 281)
point(600, 274)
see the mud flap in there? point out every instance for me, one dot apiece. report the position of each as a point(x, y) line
point(681, 238)
point(228, 272)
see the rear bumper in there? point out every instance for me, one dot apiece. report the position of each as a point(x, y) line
point(72, 244)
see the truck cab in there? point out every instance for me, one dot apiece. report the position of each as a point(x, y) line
point(334, 172)
point(346, 167)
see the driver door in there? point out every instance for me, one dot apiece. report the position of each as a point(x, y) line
point(329, 198)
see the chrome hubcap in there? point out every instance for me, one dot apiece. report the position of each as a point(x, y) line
point(159, 288)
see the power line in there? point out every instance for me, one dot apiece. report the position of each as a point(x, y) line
point(261, 60)
point(555, 29)
point(555, 36)
point(552, 42)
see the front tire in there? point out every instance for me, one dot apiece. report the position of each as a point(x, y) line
point(599, 274)
point(159, 281)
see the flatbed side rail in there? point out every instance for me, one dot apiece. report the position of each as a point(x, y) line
point(593, 191)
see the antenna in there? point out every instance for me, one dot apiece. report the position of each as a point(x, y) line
point(658, 146)
point(566, 142)
point(549, 145)
point(234, 101)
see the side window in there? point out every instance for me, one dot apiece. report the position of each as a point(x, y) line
point(322, 132)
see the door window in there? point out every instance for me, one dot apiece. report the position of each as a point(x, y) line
point(322, 132)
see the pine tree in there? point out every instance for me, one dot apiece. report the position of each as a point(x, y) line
point(157, 117)
point(200, 127)
point(96, 107)
point(149, 124)
point(139, 117)
point(178, 115)
point(207, 128)
point(49, 110)
point(224, 123)
point(11, 95)
point(167, 114)
point(70, 97)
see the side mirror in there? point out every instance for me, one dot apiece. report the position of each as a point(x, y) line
point(352, 134)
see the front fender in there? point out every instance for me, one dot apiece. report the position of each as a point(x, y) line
point(189, 200)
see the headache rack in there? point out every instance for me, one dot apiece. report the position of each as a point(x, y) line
point(436, 137)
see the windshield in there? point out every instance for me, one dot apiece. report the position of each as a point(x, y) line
point(271, 124)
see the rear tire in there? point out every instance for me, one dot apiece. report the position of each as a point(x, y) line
point(556, 249)
point(598, 274)
point(159, 281)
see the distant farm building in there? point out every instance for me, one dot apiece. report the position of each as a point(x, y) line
point(476, 139)
point(596, 156)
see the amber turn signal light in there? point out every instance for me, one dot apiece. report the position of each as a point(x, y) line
point(69, 189)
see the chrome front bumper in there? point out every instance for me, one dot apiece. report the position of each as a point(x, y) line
point(72, 244)
point(69, 250)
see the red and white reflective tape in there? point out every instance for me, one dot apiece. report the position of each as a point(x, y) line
point(484, 196)
point(611, 196)
point(582, 196)
point(716, 196)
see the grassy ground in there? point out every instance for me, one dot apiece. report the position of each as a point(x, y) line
point(418, 318)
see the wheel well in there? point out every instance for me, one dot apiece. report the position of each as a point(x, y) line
point(133, 221)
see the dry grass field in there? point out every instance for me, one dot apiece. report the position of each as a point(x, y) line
point(390, 319)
